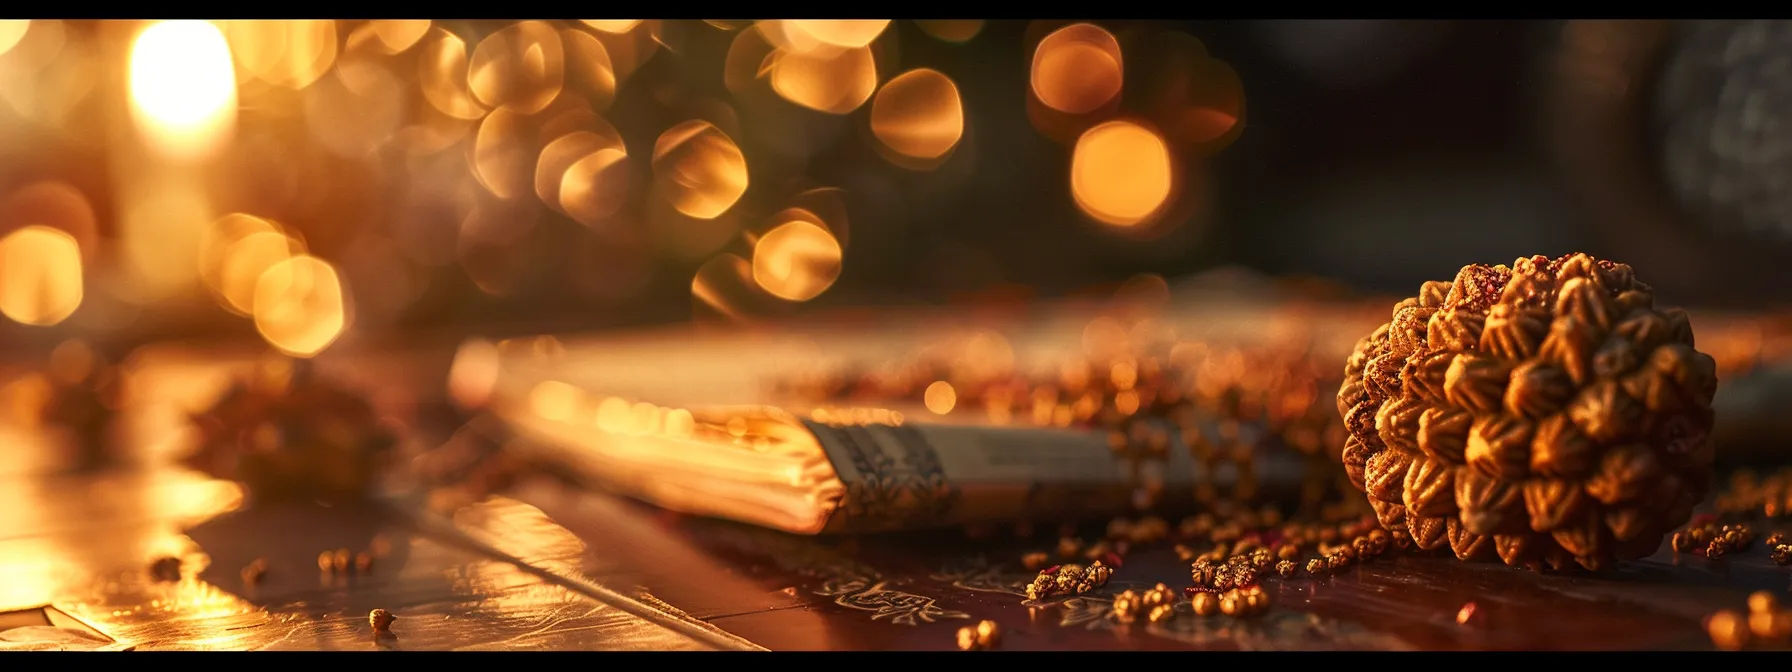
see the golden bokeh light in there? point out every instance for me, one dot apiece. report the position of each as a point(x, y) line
point(824, 207)
point(442, 74)
point(956, 31)
point(583, 174)
point(215, 245)
point(1215, 112)
point(588, 66)
point(286, 53)
point(299, 306)
point(748, 56)
point(57, 205)
point(844, 33)
point(501, 161)
point(833, 82)
point(597, 185)
point(391, 36)
point(40, 275)
point(940, 397)
point(183, 87)
point(11, 31)
point(356, 110)
point(521, 67)
point(918, 114)
point(1077, 69)
point(796, 261)
point(724, 284)
point(1121, 173)
point(246, 261)
point(1197, 100)
point(699, 169)
point(612, 26)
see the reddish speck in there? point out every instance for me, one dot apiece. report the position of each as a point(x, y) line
point(1111, 559)
point(1050, 570)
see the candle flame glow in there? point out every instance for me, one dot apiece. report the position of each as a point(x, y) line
point(183, 87)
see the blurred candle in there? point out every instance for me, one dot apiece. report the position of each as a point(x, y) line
point(183, 88)
point(183, 106)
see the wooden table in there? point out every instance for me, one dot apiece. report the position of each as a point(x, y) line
point(546, 567)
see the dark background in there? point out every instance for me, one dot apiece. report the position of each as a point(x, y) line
point(1375, 153)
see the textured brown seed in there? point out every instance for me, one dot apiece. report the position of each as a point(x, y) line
point(1570, 424)
point(381, 620)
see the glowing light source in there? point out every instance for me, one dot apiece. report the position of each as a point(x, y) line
point(286, 53)
point(1077, 69)
point(394, 35)
point(11, 31)
point(957, 31)
point(299, 306)
point(216, 262)
point(40, 275)
point(442, 74)
point(846, 33)
point(1121, 173)
point(836, 83)
point(940, 397)
point(183, 87)
point(595, 186)
point(918, 114)
point(699, 169)
point(522, 67)
point(588, 64)
point(612, 26)
point(796, 261)
point(246, 259)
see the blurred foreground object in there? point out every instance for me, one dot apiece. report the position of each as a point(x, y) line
point(286, 432)
point(1546, 413)
point(1667, 134)
point(85, 390)
point(1718, 107)
point(1063, 420)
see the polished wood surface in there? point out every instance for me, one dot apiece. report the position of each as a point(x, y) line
point(546, 567)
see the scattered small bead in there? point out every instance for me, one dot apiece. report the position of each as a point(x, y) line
point(1776, 539)
point(1127, 605)
point(1781, 554)
point(1205, 604)
point(1317, 567)
point(1159, 596)
point(983, 636)
point(1287, 569)
point(1716, 549)
point(1161, 613)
